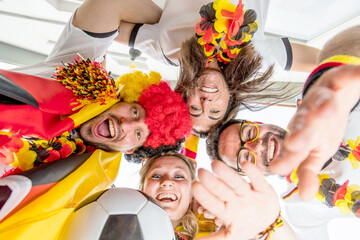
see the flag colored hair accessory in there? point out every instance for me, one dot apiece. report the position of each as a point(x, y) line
point(167, 115)
point(224, 29)
point(88, 80)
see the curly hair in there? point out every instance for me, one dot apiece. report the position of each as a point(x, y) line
point(133, 84)
point(167, 115)
point(148, 152)
point(212, 142)
point(189, 221)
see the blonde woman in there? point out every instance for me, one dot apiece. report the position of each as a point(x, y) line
point(168, 178)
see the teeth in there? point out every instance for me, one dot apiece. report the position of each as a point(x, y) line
point(272, 148)
point(207, 89)
point(111, 128)
point(171, 196)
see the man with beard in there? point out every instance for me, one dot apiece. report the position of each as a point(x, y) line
point(321, 148)
point(240, 140)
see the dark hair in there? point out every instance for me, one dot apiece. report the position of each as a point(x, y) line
point(212, 142)
point(246, 83)
point(148, 152)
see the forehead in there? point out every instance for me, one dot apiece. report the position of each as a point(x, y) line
point(168, 163)
point(126, 105)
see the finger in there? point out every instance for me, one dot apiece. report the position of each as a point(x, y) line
point(200, 210)
point(218, 222)
point(208, 200)
point(305, 135)
point(308, 177)
point(257, 179)
point(286, 162)
point(208, 215)
point(215, 185)
point(230, 177)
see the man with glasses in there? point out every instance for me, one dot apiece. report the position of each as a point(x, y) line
point(323, 141)
point(238, 141)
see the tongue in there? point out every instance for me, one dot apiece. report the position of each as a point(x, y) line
point(103, 129)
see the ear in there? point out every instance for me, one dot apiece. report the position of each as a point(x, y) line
point(131, 151)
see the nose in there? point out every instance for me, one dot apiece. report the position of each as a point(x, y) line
point(255, 146)
point(128, 125)
point(166, 182)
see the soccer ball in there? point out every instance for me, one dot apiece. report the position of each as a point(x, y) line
point(120, 213)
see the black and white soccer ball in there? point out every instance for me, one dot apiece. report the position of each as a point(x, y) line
point(122, 214)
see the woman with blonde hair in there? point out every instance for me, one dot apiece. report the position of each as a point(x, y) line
point(168, 178)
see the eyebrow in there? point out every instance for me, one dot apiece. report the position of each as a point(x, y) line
point(176, 167)
point(195, 115)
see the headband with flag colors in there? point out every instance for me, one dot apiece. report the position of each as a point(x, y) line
point(227, 26)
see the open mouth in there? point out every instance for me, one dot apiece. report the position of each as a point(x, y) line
point(105, 129)
point(209, 89)
point(167, 197)
point(272, 149)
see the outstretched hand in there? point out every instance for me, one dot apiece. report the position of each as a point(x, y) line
point(245, 209)
point(318, 127)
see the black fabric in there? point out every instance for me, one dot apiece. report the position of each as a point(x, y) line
point(313, 79)
point(9, 101)
point(122, 227)
point(11, 92)
point(55, 171)
point(5, 193)
point(100, 35)
point(133, 34)
point(289, 53)
point(316, 76)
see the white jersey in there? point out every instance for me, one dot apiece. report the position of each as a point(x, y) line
point(162, 41)
point(71, 42)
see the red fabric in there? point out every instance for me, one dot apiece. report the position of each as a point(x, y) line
point(51, 95)
point(325, 65)
point(29, 121)
point(188, 153)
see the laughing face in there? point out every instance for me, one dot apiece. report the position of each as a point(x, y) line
point(121, 128)
point(266, 147)
point(208, 102)
point(169, 182)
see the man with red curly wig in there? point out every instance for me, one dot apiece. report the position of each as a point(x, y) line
point(158, 120)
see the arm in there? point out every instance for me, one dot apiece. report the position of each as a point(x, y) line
point(101, 16)
point(318, 126)
point(304, 57)
point(236, 202)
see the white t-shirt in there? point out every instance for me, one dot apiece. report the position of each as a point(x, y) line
point(162, 41)
point(71, 42)
point(310, 219)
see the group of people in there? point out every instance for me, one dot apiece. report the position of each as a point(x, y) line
point(56, 114)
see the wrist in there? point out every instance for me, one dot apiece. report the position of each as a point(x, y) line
point(266, 234)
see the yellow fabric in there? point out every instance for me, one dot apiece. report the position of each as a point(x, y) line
point(191, 143)
point(343, 59)
point(44, 218)
point(91, 110)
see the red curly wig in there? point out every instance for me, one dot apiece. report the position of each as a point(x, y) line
point(167, 115)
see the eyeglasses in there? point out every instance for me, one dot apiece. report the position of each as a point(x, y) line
point(249, 132)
